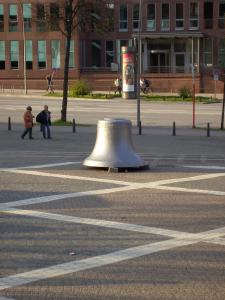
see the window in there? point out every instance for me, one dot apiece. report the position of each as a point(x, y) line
point(135, 17)
point(27, 17)
point(72, 58)
point(1, 18)
point(110, 17)
point(151, 17)
point(55, 50)
point(165, 13)
point(208, 14)
point(41, 54)
point(193, 15)
point(179, 16)
point(222, 15)
point(40, 8)
point(2, 55)
point(180, 51)
point(14, 54)
point(95, 17)
point(123, 18)
point(208, 57)
point(96, 53)
point(13, 18)
point(109, 53)
point(222, 53)
point(29, 55)
point(54, 16)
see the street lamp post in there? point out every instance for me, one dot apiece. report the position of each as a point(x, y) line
point(24, 51)
point(139, 69)
point(193, 86)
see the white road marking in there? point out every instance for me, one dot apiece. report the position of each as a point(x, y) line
point(180, 189)
point(45, 199)
point(218, 241)
point(179, 238)
point(100, 223)
point(46, 174)
point(154, 184)
point(3, 298)
point(51, 165)
point(106, 259)
point(205, 167)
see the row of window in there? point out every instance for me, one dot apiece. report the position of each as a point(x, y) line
point(155, 53)
point(166, 8)
point(14, 51)
point(165, 12)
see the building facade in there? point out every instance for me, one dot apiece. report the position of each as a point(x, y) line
point(181, 40)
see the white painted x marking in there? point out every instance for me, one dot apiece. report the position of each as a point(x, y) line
point(176, 238)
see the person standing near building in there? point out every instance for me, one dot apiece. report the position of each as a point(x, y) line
point(118, 84)
point(44, 118)
point(49, 79)
point(28, 123)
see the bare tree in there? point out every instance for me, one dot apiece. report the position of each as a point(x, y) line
point(69, 17)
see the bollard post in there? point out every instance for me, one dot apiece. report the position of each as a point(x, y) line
point(208, 129)
point(174, 129)
point(9, 124)
point(139, 128)
point(74, 126)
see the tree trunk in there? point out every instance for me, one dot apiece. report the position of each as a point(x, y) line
point(66, 79)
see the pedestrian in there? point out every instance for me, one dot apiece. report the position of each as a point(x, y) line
point(49, 79)
point(28, 123)
point(118, 84)
point(44, 118)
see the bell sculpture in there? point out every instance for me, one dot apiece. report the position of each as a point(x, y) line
point(113, 147)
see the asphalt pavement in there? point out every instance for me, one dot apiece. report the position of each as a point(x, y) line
point(70, 232)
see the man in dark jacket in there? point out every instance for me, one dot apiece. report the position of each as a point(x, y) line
point(44, 118)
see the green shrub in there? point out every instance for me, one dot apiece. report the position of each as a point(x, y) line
point(185, 92)
point(79, 88)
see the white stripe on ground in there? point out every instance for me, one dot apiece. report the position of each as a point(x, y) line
point(102, 260)
point(180, 189)
point(185, 179)
point(45, 199)
point(205, 167)
point(138, 185)
point(46, 174)
point(101, 223)
point(218, 241)
point(51, 165)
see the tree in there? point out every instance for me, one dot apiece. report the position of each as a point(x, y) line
point(70, 16)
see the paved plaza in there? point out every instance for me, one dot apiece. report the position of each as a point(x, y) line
point(69, 232)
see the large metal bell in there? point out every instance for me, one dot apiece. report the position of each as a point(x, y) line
point(113, 147)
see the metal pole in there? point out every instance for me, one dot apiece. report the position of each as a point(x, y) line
point(223, 107)
point(193, 86)
point(139, 68)
point(24, 52)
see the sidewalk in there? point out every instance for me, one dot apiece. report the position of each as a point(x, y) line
point(42, 93)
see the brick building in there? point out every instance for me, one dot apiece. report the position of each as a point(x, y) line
point(177, 37)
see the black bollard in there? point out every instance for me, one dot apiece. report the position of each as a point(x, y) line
point(174, 129)
point(9, 124)
point(74, 126)
point(208, 129)
point(139, 128)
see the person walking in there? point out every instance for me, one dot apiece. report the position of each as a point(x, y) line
point(28, 123)
point(49, 79)
point(44, 118)
point(118, 84)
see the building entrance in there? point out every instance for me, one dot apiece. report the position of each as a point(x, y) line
point(159, 61)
